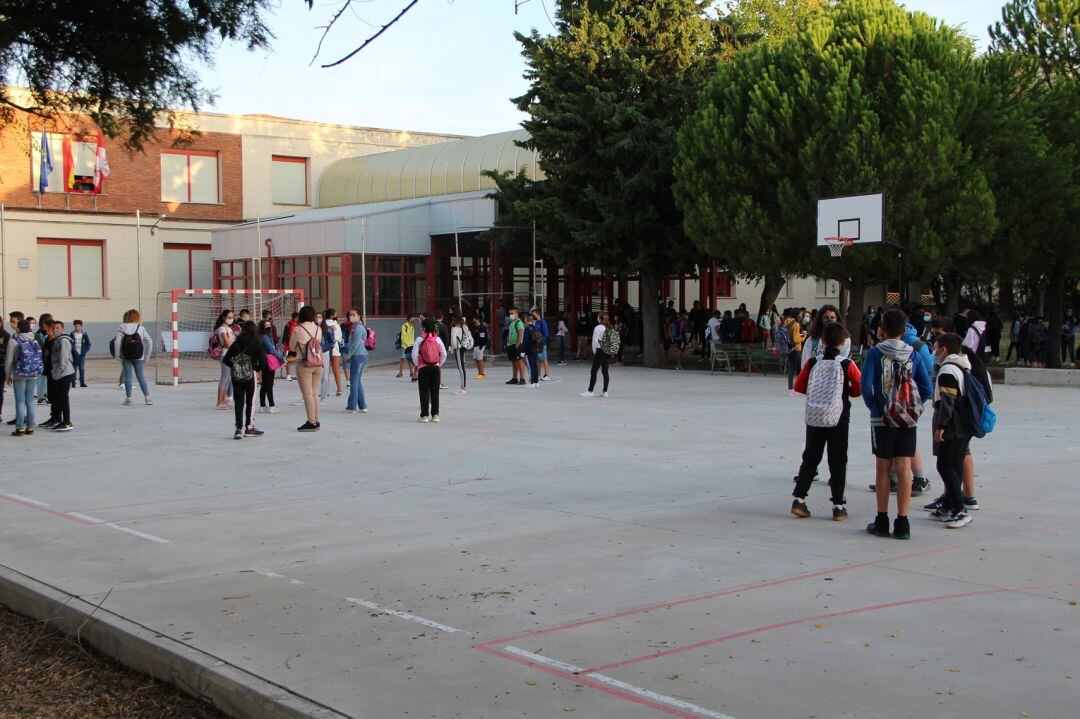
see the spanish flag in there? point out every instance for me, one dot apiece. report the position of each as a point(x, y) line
point(69, 165)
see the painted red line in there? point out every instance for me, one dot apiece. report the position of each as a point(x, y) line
point(585, 681)
point(714, 595)
point(53, 512)
point(791, 623)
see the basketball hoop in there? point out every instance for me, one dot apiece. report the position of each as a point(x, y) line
point(836, 245)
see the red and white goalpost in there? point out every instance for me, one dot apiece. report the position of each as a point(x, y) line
point(193, 314)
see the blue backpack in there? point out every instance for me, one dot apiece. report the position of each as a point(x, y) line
point(977, 410)
point(28, 364)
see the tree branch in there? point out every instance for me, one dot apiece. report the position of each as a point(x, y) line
point(326, 30)
point(374, 37)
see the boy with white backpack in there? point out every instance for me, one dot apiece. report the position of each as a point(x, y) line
point(829, 383)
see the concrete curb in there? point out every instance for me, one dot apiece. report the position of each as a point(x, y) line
point(231, 689)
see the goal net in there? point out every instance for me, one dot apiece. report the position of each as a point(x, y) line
point(188, 318)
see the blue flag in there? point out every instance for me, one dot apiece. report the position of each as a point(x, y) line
point(46, 162)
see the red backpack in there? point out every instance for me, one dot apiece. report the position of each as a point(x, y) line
point(429, 349)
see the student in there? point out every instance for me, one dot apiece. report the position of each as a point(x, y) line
point(482, 340)
point(828, 382)
point(1014, 339)
point(561, 331)
point(952, 433)
point(584, 333)
point(245, 359)
point(795, 345)
point(244, 317)
point(428, 355)
point(532, 344)
point(605, 345)
point(23, 366)
point(306, 347)
point(680, 334)
point(515, 334)
point(1068, 338)
point(459, 338)
point(268, 317)
point(442, 328)
point(132, 333)
point(356, 354)
point(405, 339)
point(14, 318)
point(80, 345)
point(812, 344)
point(541, 324)
point(5, 337)
point(221, 339)
point(977, 340)
point(335, 341)
point(274, 361)
point(286, 336)
point(61, 372)
point(892, 367)
point(44, 338)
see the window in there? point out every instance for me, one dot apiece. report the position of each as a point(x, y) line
point(826, 288)
point(233, 275)
point(289, 180)
point(71, 268)
point(309, 274)
point(395, 284)
point(83, 155)
point(187, 266)
point(189, 176)
point(724, 284)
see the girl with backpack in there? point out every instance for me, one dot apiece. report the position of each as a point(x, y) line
point(814, 345)
point(245, 359)
point(221, 339)
point(327, 344)
point(305, 346)
point(429, 354)
point(356, 354)
point(481, 340)
point(133, 348)
point(23, 367)
point(461, 341)
point(5, 337)
point(605, 345)
point(274, 361)
point(336, 338)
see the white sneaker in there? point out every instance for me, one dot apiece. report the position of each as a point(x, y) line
point(960, 520)
point(462, 391)
point(350, 411)
point(275, 410)
point(605, 394)
point(128, 402)
point(435, 418)
point(545, 378)
point(288, 378)
point(363, 411)
point(425, 420)
point(298, 404)
point(149, 401)
point(586, 393)
point(791, 393)
point(536, 385)
point(264, 410)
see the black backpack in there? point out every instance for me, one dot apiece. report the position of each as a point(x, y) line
point(983, 349)
point(131, 345)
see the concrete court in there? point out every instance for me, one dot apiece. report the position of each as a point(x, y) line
point(541, 555)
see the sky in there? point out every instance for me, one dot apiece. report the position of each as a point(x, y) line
point(449, 66)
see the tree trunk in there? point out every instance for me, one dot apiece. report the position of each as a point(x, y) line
point(770, 290)
point(1056, 300)
point(952, 293)
point(854, 317)
point(650, 316)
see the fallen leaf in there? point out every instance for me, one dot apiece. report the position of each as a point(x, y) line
point(897, 633)
point(954, 670)
point(819, 626)
point(531, 682)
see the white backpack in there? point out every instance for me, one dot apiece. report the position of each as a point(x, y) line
point(466, 339)
point(825, 392)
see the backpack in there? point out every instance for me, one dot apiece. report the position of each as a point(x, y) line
point(397, 342)
point(131, 346)
point(980, 373)
point(825, 392)
point(610, 342)
point(467, 341)
point(903, 406)
point(369, 341)
point(242, 367)
point(28, 364)
point(782, 340)
point(327, 341)
point(982, 350)
point(537, 340)
point(214, 348)
point(978, 414)
point(676, 332)
point(429, 349)
point(313, 352)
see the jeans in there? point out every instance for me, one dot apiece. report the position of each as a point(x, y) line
point(80, 370)
point(140, 375)
point(224, 379)
point(562, 348)
point(24, 402)
point(533, 363)
point(356, 386)
point(601, 361)
point(428, 380)
point(244, 393)
point(817, 439)
point(41, 388)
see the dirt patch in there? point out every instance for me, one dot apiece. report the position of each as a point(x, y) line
point(46, 675)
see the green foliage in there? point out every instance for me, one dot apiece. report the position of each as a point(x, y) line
point(1045, 31)
point(773, 21)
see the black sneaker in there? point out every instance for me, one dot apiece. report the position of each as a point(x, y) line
point(63, 427)
point(521, 382)
point(839, 514)
point(901, 528)
point(892, 487)
point(11, 422)
point(935, 505)
point(799, 509)
point(305, 427)
point(318, 426)
point(238, 434)
point(919, 485)
point(880, 526)
point(49, 424)
point(511, 381)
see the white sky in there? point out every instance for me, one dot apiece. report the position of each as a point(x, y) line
point(448, 66)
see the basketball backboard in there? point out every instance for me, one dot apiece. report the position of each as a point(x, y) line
point(860, 218)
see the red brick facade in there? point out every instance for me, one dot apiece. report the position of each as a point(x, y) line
point(135, 180)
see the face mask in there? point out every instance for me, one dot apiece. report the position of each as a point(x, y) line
point(926, 318)
point(33, 326)
point(228, 320)
point(806, 318)
point(354, 319)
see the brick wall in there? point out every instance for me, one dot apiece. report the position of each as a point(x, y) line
point(135, 182)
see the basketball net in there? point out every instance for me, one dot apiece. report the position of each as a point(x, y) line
point(836, 245)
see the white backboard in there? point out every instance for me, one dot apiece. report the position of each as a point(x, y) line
point(861, 217)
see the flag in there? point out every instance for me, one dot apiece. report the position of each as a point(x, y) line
point(46, 162)
point(101, 165)
point(69, 165)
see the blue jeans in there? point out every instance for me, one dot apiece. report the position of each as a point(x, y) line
point(41, 387)
point(533, 363)
point(562, 349)
point(80, 371)
point(356, 388)
point(137, 365)
point(24, 402)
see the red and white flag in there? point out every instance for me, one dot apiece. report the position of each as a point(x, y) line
point(101, 165)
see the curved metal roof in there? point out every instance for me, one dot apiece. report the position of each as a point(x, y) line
point(444, 168)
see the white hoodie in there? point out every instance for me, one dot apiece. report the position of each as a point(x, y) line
point(974, 334)
point(128, 328)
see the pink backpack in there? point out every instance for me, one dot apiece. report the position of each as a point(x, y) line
point(313, 353)
point(429, 350)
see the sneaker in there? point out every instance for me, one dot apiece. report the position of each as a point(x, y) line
point(480, 376)
point(363, 411)
point(148, 401)
point(791, 393)
point(274, 410)
point(839, 514)
point(49, 424)
point(305, 427)
point(442, 386)
point(18, 433)
point(962, 519)
point(11, 422)
point(412, 379)
point(462, 391)
point(350, 411)
point(63, 427)
point(238, 434)
point(536, 385)
point(919, 485)
point(522, 382)
point(971, 503)
point(318, 426)
point(28, 431)
point(298, 403)
point(128, 402)
point(545, 378)
point(223, 406)
point(43, 400)
point(892, 487)
point(435, 418)
point(264, 410)
point(936, 504)
point(338, 394)
point(586, 393)
point(83, 385)
point(511, 381)
point(901, 528)
point(424, 419)
point(605, 394)
point(941, 515)
point(559, 364)
point(253, 431)
point(398, 375)
point(799, 509)
point(880, 526)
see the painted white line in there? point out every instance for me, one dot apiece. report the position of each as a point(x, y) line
point(615, 683)
point(86, 518)
point(137, 533)
point(28, 500)
point(402, 615)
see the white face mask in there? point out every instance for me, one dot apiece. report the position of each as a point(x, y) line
point(228, 320)
point(33, 326)
point(354, 319)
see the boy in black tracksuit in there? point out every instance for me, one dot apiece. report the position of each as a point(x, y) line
point(952, 430)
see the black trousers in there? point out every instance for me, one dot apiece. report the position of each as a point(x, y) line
point(243, 397)
point(818, 439)
point(60, 397)
point(794, 366)
point(266, 389)
point(428, 379)
point(51, 391)
point(600, 361)
point(950, 465)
